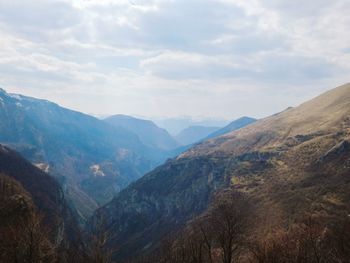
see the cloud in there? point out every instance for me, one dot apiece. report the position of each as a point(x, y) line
point(174, 57)
point(270, 67)
point(38, 20)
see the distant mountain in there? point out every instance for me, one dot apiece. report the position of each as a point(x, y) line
point(149, 133)
point(194, 134)
point(292, 165)
point(92, 159)
point(175, 125)
point(235, 125)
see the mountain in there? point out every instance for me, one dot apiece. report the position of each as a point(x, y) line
point(28, 193)
point(175, 125)
point(90, 158)
point(194, 134)
point(235, 125)
point(149, 133)
point(291, 164)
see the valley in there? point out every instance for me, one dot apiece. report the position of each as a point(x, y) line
point(163, 131)
point(272, 174)
point(290, 165)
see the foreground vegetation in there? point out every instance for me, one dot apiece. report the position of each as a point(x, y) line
point(220, 235)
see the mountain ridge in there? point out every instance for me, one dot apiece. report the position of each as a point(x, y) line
point(232, 126)
point(69, 144)
point(298, 120)
point(292, 163)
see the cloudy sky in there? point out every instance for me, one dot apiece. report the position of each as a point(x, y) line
point(213, 58)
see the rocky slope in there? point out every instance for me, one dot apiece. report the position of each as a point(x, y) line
point(291, 163)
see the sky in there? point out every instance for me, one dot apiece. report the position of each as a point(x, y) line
point(169, 58)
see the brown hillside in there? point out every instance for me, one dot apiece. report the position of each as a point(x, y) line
point(291, 164)
point(326, 113)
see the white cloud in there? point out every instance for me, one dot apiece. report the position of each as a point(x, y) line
point(175, 57)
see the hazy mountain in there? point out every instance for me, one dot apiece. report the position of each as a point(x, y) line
point(235, 125)
point(175, 125)
point(290, 164)
point(149, 133)
point(194, 134)
point(92, 159)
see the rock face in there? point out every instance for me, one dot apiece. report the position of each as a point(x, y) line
point(68, 143)
point(342, 148)
point(291, 163)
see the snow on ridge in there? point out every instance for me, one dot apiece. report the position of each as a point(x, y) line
point(15, 96)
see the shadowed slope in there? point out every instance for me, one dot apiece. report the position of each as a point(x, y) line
point(33, 190)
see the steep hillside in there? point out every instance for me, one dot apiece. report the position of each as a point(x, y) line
point(235, 125)
point(291, 163)
point(325, 114)
point(25, 190)
point(194, 134)
point(92, 159)
point(149, 133)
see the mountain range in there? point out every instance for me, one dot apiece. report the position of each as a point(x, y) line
point(92, 159)
point(291, 168)
point(291, 164)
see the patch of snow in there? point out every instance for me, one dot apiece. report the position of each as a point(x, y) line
point(15, 96)
point(96, 169)
point(43, 166)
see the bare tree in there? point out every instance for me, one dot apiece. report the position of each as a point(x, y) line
point(29, 242)
point(228, 220)
point(304, 242)
point(97, 244)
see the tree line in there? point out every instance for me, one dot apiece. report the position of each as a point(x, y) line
point(223, 235)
